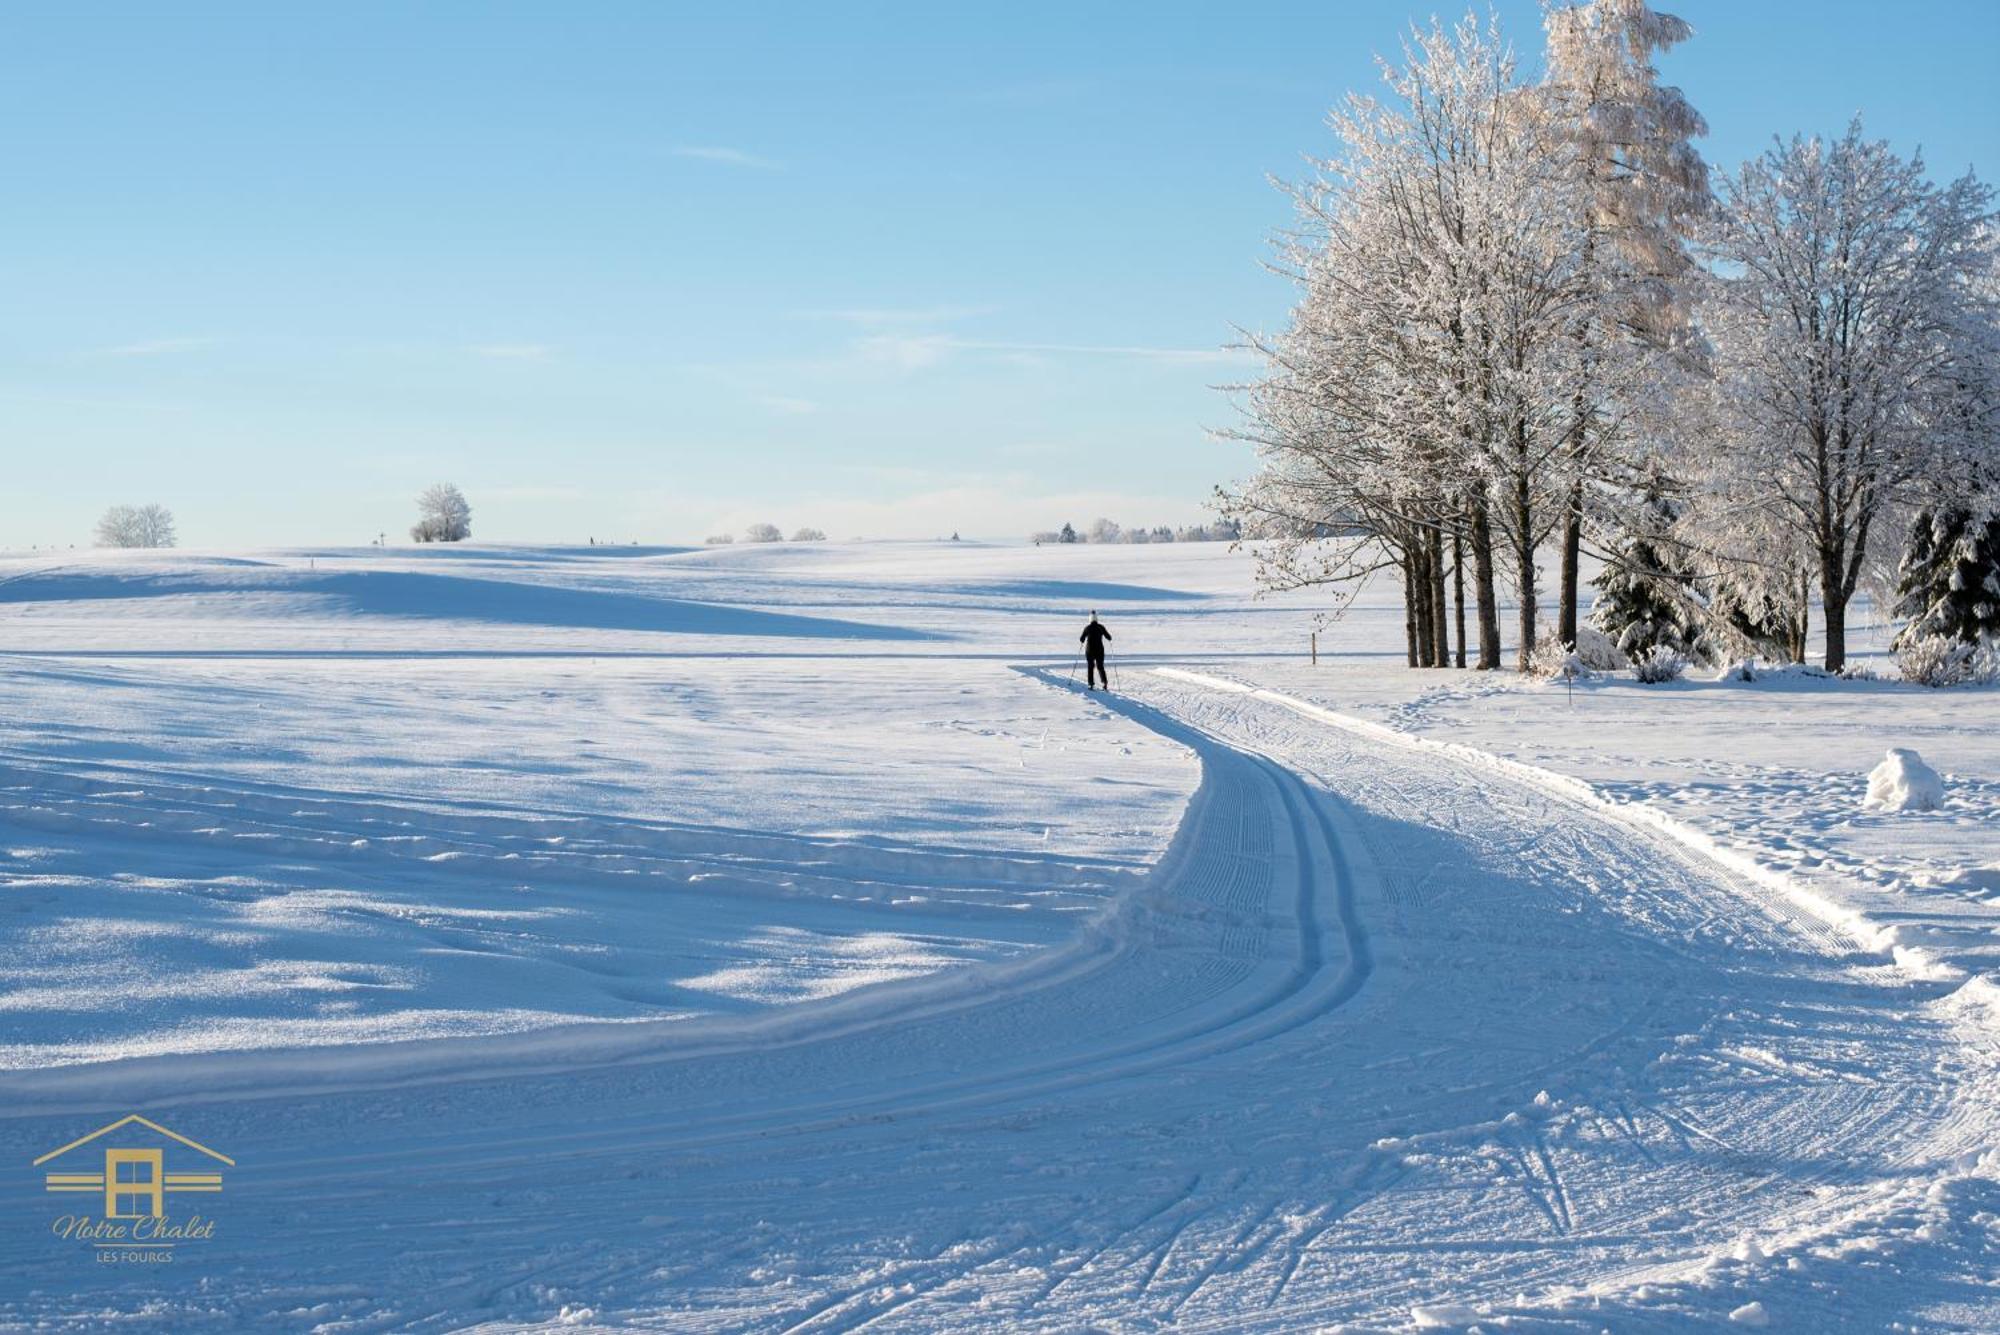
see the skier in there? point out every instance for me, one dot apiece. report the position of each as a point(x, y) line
point(1093, 638)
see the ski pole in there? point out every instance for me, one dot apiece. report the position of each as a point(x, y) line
point(1072, 668)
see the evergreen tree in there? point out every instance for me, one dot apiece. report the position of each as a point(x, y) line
point(1646, 596)
point(1949, 581)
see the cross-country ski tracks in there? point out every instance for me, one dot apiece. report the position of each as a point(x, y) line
point(1376, 1032)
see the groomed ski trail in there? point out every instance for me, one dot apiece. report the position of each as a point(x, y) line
point(1378, 1034)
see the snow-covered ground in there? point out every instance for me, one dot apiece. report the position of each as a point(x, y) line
point(774, 938)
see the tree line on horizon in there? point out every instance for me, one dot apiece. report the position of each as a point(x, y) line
point(1532, 320)
point(1224, 529)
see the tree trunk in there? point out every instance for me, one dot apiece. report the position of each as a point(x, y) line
point(1482, 583)
point(1443, 658)
point(1524, 567)
point(1458, 589)
point(1833, 611)
point(1409, 606)
point(1419, 594)
point(1572, 550)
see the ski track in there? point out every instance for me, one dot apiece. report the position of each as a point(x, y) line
point(1377, 1031)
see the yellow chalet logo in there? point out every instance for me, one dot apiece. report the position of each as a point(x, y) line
point(131, 1180)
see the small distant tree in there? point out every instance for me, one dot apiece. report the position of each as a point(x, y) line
point(136, 526)
point(763, 533)
point(1068, 534)
point(719, 539)
point(1046, 535)
point(1103, 530)
point(442, 515)
point(809, 535)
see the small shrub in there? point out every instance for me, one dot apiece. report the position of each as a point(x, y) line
point(1550, 658)
point(1660, 663)
point(718, 539)
point(1933, 660)
point(1940, 660)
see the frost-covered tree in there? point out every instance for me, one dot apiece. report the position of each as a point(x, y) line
point(1103, 530)
point(809, 535)
point(1948, 585)
point(763, 533)
point(1845, 293)
point(443, 515)
point(1422, 394)
point(1068, 534)
point(719, 539)
point(1640, 186)
point(136, 526)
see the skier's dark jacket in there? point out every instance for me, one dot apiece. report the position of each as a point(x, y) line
point(1093, 638)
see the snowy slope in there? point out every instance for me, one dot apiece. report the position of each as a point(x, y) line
point(598, 951)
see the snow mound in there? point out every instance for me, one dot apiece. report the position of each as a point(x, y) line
point(1903, 782)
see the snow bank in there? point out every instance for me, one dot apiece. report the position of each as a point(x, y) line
point(1903, 782)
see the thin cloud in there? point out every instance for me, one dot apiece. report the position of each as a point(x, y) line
point(906, 352)
point(157, 347)
point(1188, 355)
point(512, 352)
point(891, 317)
point(728, 157)
point(913, 352)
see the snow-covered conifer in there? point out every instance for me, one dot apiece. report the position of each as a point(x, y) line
point(1948, 585)
point(1646, 594)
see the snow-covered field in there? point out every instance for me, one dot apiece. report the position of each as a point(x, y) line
point(774, 938)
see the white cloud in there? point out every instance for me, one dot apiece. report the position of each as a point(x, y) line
point(728, 157)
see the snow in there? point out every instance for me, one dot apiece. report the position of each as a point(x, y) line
point(606, 948)
point(1903, 782)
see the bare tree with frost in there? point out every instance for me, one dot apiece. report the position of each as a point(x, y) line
point(1416, 408)
point(1844, 305)
point(443, 515)
point(136, 526)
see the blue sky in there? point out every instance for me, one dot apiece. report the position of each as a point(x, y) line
point(651, 271)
